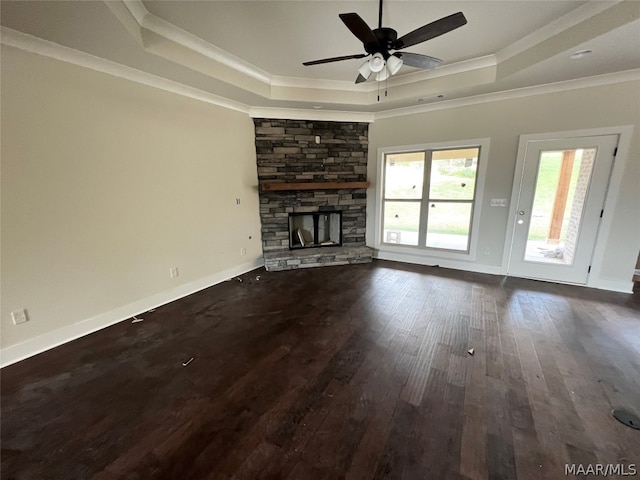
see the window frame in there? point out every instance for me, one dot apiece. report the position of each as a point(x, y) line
point(483, 145)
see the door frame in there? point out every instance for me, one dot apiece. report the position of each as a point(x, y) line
point(625, 133)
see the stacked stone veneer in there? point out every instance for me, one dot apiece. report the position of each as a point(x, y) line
point(286, 151)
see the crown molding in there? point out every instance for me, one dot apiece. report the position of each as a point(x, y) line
point(186, 39)
point(595, 81)
point(443, 71)
point(311, 114)
point(312, 90)
point(137, 9)
point(29, 43)
point(273, 83)
point(395, 81)
point(39, 46)
point(316, 83)
point(557, 26)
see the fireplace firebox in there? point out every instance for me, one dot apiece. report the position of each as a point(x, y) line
point(313, 230)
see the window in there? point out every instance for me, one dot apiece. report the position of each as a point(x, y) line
point(428, 197)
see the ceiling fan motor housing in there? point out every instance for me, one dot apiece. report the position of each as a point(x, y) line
point(386, 39)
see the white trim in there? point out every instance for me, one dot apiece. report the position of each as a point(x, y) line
point(395, 81)
point(557, 26)
point(137, 9)
point(317, 83)
point(442, 71)
point(612, 285)
point(596, 81)
point(421, 253)
point(182, 37)
point(311, 114)
point(168, 30)
point(36, 45)
point(50, 49)
point(161, 27)
point(615, 180)
point(625, 133)
point(49, 340)
point(440, 262)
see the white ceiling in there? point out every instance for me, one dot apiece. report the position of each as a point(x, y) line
point(251, 52)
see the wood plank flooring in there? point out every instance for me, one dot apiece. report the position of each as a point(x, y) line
point(356, 372)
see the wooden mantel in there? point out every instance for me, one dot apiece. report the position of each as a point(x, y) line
point(273, 186)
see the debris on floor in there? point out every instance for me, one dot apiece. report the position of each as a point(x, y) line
point(238, 279)
point(258, 277)
point(184, 364)
point(136, 319)
point(471, 351)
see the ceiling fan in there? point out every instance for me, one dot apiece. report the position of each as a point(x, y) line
point(379, 42)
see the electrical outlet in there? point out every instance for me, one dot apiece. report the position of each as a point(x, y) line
point(237, 201)
point(243, 251)
point(173, 272)
point(487, 251)
point(19, 317)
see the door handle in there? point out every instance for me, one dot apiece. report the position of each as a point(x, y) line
point(521, 212)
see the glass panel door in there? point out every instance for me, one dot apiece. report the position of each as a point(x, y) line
point(561, 189)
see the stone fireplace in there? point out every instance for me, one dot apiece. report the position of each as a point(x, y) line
point(312, 181)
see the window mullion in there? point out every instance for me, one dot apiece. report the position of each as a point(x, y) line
point(424, 203)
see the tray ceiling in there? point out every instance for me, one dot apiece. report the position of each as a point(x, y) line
point(251, 53)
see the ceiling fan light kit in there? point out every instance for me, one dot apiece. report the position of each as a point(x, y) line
point(376, 64)
point(393, 64)
point(365, 69)
point(379, 42)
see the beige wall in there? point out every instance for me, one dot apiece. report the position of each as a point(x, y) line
point(106, 184)
point(503, 122)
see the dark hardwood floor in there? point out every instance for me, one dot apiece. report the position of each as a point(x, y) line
point(355, 372)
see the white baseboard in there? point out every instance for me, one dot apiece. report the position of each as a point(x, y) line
point(612, 285)
point(441, 262)
point(49, 340)
point(601, 284)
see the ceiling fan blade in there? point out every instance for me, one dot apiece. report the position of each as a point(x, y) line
point(360, 78)
point(417, 60)
point(335, 59)
point(431, 30)
point(359, 28)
